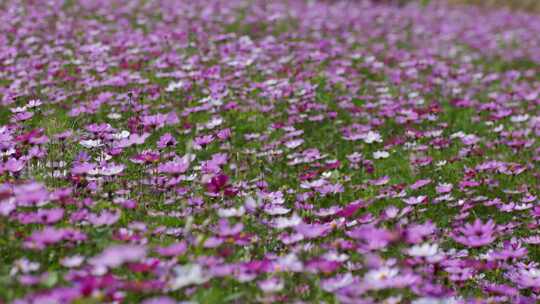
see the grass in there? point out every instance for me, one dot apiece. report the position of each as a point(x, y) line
point(297, 77)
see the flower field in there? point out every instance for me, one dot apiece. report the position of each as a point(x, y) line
point(252, 151)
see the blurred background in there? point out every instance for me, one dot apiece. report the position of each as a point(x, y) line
point(521, 5)
point(525, 5)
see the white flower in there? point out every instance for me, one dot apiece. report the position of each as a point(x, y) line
point(276, 209)
point(459, 134)
point(173, 86)
point(498, 129)
point(190, 274)
point(414, 200)
point(18, 109)
point(435, 301)
point(313, 184)
point(34, 103)
point(380, 154)
point(392, 300)
point(286, 222)
point(271, 285)
point(372, 137)
point(294, 143)
point(216, 121)
point(440, 163)
point(91, 143)
point(252, 204)
point(533, 273)
point(7, 206)
point(335, 256)
point(289, 262)
point(230, 212)
point(72, 261)
point(25, 266)
point(519, 118)
point(114, 116)
point(121, 135)
point(424, 250)
point(112, 169)
point(381, 274)
point(334, 284)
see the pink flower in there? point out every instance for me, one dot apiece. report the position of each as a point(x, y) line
point(166, 140)
point(117, 255)
point(312, 231)
point(477, 234)
point(175, 249)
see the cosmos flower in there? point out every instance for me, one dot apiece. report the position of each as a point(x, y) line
point(380, 154)
point(185, 275)
point(173, 249)
point(111, 169)
point(477, 234)
point(91, 143)
point(174, 167)
point(311, 231)
point(415, 200)
point(430, 252)
point(268, 151)
point(116, 255)
point(166, 140)
point(371, 137)
point(271, 285)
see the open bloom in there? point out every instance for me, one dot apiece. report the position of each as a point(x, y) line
point(477, 234)
point(191, 274)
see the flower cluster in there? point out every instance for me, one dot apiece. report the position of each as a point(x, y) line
point(284, 151)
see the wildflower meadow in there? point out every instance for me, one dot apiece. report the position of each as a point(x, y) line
point(253, 151)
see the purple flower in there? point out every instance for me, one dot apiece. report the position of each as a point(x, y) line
point(117, 255)
point(175, 167)
point(477, 234)
point(43, 216)
point(225, 229)
point(312, 231)
point(271, 285)
point(82, 168)
point(100, 128)
point(13, 165)
point(173, 249)
point(105, 218)
point(166, 140)
point(30, 194)
point(202, 141)
point(50, 235)
point(373, 238)
point(160, 300)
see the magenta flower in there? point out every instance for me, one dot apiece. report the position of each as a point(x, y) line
point(477, 234)
point(217, 183)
